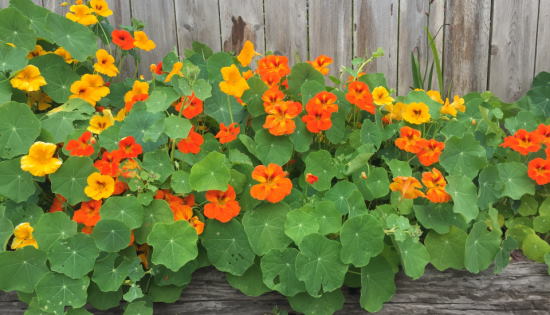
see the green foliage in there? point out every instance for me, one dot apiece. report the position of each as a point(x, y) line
point(264, 228)
point(174, 244)
point(19, 127)
point(70, 179)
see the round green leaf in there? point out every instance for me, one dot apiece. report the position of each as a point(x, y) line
point(179, 182)
point(19, 127)
point(320, 164)
point(58, 74)
point(74, 256)
point(22, 269)
point(125, 209)
point(414, 257)
point(70, 180)
point(329, 218)
point(301, 73)
point(103, 300)
point(377, 284)
point(176, 127)
point(211, 173)
point(463, 156)
point(377, 183)
point(325, 304)
point(111, 270)
point(534, 247)
point(340, 194)
point(446, 250)
point(111, 235)
point(438, 216)
point(264, 227)
point(362, 238)
point(272, 149)
point(481, 247)
point(301, 138)
point(57, 290)
point(15, 183)
point(174, 244)
point(217, 106)
point(15, 29)
point(516, 182)
point(137, 123)
point(318, 264)
point(156, 211)
point(299, 223)
point(6, 231)
point(159, 163)
point(250, 283)
point(464, 195)
point(279, 271)
point(52, 227)
point(139, 308)
point(12, 58)
point(160, 99)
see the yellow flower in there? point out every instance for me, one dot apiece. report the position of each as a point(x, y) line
point(90, 88)
point(11, 44)
point(452, 108)
point(141, 41)
point(138, 88)
point(233, 83)
point(381, 96)
point(100, 7)
point(435, 95)
point(247, 53)
point(40, 160)
point(99, 186)
point(98, 123)
point(64, 54)
point(41, 100)
point(28, 79)
point(458, 103)
point(105, 63)
point(120, 115)
point(81, 14)
point(416, 113)
point(176, 69)
point(395, 111)
point(37, 51)
point(23, 236)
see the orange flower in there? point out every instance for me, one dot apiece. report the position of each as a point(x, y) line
point(322, 101)
point(430, 150)
point(143, 42)
point(192, 106)
point(271, 97)
point(61, 52)
point(129, 168)
point(90, 88)
point(123, 39)
point(136, 98)
point(279, 120)
point(191, 144)
point(128, 148)
point(273, 185)
point(223, 206)
point(105, 63)
point(360, 96)
point(408, 140)
point(248, 74)
point(407, 186)
point(57, 204)
point(40, 160)
point(156, 68)
point(109, 163)
point(544, 131)
point(120, 187)
point(435, 182)
point(311, 179)
point(273, 66)
point(539, 170)
point(138, 88)
point(247, 54)
point(271, 79)
point(99, 186)
point(395, 112)
point(197, 224)
point(99, 123)
point(88, 214)
point(317, 121)
point(321, 64)
point(523, 142)
point(176, 70)
point(83, 146)
point(228, 133)
point(181, 211)
point(36, 52)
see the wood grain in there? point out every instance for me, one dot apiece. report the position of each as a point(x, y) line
point(376, 25)
point(241, 22)
point(330, 31)
point(543, 38)
point(286, 28)
point(467, 45)
point(522, 288)
point(513, 47)
point(198, 20)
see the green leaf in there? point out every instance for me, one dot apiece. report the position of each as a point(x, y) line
point(139, 308)
point(77, 39)
point(56, 291)
point(279, 272)
point(325, 304)
point(58, 74)
point(202, 89)
point(320, 164)
point(164, 294)
point(464, 195)
point(299, 223)
point(481, 247)
point(399, 168)
point(19, 127)
point(74, 257)
point(134, 293)
point(529, 206)
point(463, 156)
point(211, 173)
point(174, 244)
point(53, 227)
point(156, 211)
point(362, 238)
point(125, 209)
point(253, 96)
point(503, 256)
point(250, 283)
point(490, 186)
point(377, 284)
point(12, 58)
point(179, 182)
point(15, 29)
point(377, 183)
point(329, 218)
point(534, 247)
point(439, 217)
point(222, 107)
point(374, 80)
point(414, 257)
point(318, 264)
point(340, 194)
point(177, 127)
point(227, 246)
point(264, 227)
point(516, 182)
point(70, 180)
point(272, 149)
point(6, 231)
point(447, 250)
point(5, 89)
point(160, 99)
point(180, 278)
point(300, 73)
point(111, 235)
point(22, 269)
point(301, 138)
point(15, 183)
point(110, 271)
point(137, 123)
point(541, 224)
point(214, 64)
point(159, 163)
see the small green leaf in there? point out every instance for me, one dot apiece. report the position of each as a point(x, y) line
point(177, 127)
point(447, 250)
point(211, 173)
point(414, 257)
point(74, 257)
point(139, 308)
point(179, 182)
point(326, 304)
point(320, 164)
point(111, 235)
point(516, 182)
point(439, 217)
point(279, 272)
point(159, 163)
point(134, 293)
point(362, 238)
point(223, 108)
point(264, 227)
point(70, 179)
point(464, 195)
point(272, 149)
point(6, 231)
point(22, 269)
point(53, 227)
point(250, 283)
point(463, 156)
point(399, 168)
point(299, 223)
point(15, 183)
point(377, 284)
point(481, 247)
point(125, 209)
point(174, 244)
point(19, 127)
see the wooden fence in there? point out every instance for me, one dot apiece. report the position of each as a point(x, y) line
point(486, 44)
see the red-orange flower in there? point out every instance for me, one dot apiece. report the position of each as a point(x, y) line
point(123, 39)
point(523, 142)
point(120, 187)
point(273, 185)
point(311, 179)
point(360, 96)
point(197, 224)
point(156, 68)
point(408, 139)
point(57, 204)
point(544, 131)
point(136, 98)
point(88, 214)
point(407, 186)
point(128, 148)
point(435, 182)
point(192, 106)
point(223, 206)
point(539, 170)
point(129, 168)
point(321, 64)
point(317, 121)
point(81, 146)
point(322, 101)
point(271, 97)
point(279, 120)
point(191, 144)
point(228, 133)
point(273, 67)
point(109, 163)
point(430, 150)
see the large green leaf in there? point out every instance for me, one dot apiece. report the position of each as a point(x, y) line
point(318, 264)
point(22, 269)
point(325, 304)
point(74, 257)
point(111, 235)
point(174, 244)
point(177, 127)
point(15, 29)
point(19, 127)
point(272, 149)
point(320, 164)
point(446, 250)
point(377, 284)
point(6, 231)
point(52, 227)
point(211, 173)
point(12, 58)
point(157, 211)
point(55, 291)
point(159, 163)
point(15, 183)
point(464, 195)
point(264, 227)
point(139, 123)
point(250, 283)
point(110, 271)
point(223, 107)
point(463, 156)
point(342, 196)
point(301, 73)
point(438, 216)
point(279, 271)
point(534, 247)
point(362, 238)
point(513, 176)
point(70, 180)
point(160, 99)
point(301, 222)
point(179, 182)
point(481, 247)
point(329, 218)
point(125, 209)
point(77, 39)
point(58, 74)
point(414, 257)
point(253, 96)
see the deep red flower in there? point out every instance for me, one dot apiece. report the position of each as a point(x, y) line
point(311, 179)
point(128, 148)
point(109, 163)
point(81, 146)
point(123, 39)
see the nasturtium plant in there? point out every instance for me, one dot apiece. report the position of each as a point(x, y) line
point(115, 189)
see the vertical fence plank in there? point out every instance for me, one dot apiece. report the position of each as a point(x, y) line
point(198, 20)
point(56, 6)
point(436, 21)
point(121, 12)
point(160, 26)
point(513, 47)
point(330, 24)
point(543, 38)
point(467, 45)
point(286, 28)
point(375, 25)
point(241, 22)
